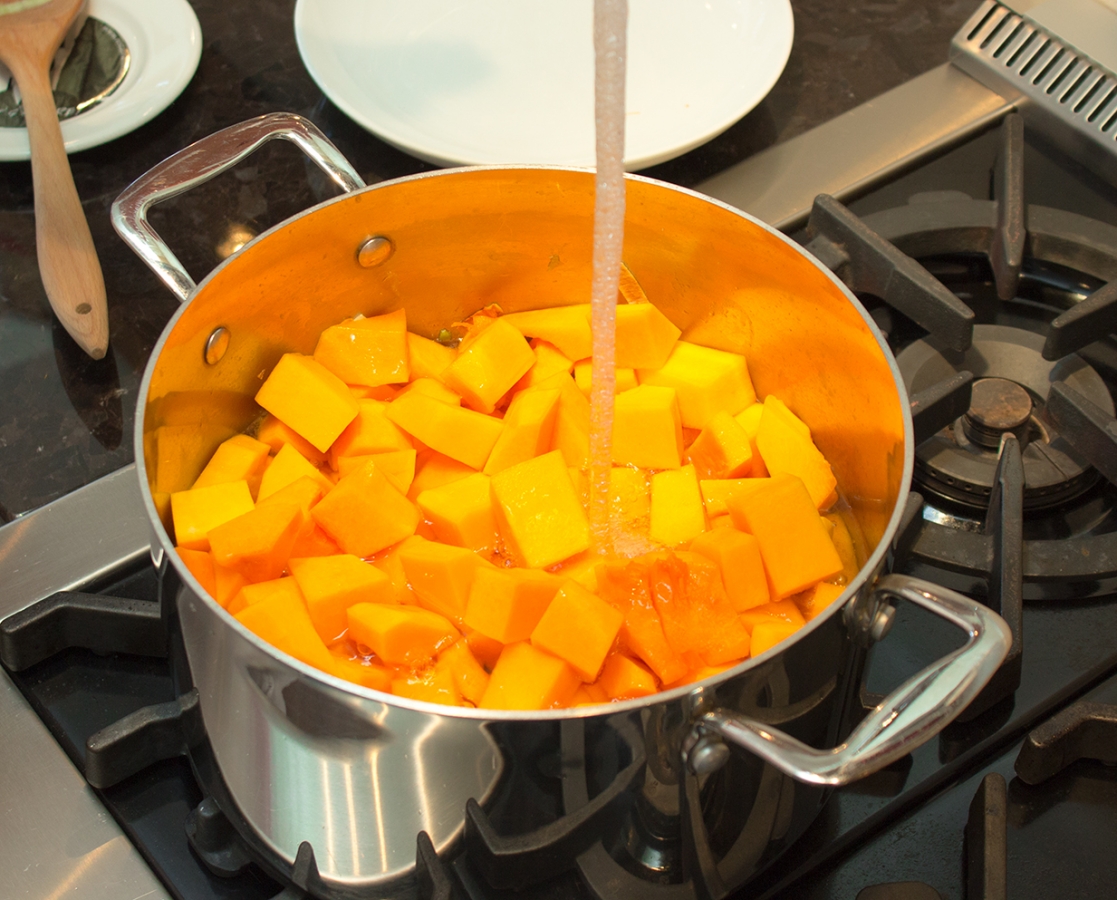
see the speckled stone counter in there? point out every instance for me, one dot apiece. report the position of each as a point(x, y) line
point(66, 420)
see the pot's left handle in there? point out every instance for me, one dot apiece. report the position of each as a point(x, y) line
point(202, 161)
point(913, 713)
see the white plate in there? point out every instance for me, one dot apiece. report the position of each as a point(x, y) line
point(511, 81)
point(165, 41)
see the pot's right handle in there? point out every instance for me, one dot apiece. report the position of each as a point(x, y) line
point(202, 161)
point(913, 713)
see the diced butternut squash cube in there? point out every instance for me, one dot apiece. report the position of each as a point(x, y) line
point(428, 359)
point(440, 574)
point(197, 512)
point(645, 336)
point(529, 426)
point(706, 380)
point(589, 695)
point(200, 564)
point(384, 392)
point(578, 627)
point(364, 513)
point(389, 563)
point(571, 435)
point(310, 398)
point(369, 351)
point(313, 541)
point(469, 677)
point(484, 649)
point(400, 635)
point(794, 543)
point(776, 406)
point(240, 458)
point(581, 568)
point(787, 452)
point(331, 584)
point(461, 512)
point(434, 469)
point(461, 434)
point(567, 327)
point(506, 604)
point(624, 379)
point(370, 432)
point(676, 515)
point(624, 679)
point(626, 587)
point(362, 671)
point(629, 501)
point(228, 583)
point(434, 388)
point(251, 594)
point(526, 677)
point(398, 466)
point(286, 468)
point(549, 360)
point(647, 431)
point(814, 600)
point(305, 491)
point(716, 493)
point(258, 543)
point(433, 685)
point(489, 366)
point(742, 570)
point(281, 619)
point(275, 434)
point(722, 449)
point(767, 634)
point(749, 419)
point(782, 610)
point(538, 511)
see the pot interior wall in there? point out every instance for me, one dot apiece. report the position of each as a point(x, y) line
point(522, 238)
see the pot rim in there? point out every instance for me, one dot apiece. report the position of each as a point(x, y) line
point(871, 566)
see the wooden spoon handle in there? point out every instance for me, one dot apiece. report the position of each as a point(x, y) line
point(67, 258)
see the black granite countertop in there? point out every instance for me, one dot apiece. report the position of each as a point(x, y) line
point(66, 420)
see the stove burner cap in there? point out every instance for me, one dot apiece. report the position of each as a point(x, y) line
point(997, 405)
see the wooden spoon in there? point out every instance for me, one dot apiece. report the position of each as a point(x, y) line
point(31, 31)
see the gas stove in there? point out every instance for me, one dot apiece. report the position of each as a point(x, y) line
point(1014, 503)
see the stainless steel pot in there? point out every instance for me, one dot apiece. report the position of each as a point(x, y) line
point(357, 774)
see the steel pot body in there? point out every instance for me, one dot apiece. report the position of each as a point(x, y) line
point(357, 774)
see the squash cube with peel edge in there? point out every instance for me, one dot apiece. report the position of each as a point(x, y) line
point(507, 604)
point(331, 584)
point(196, 512)
point(400, 635)
point(364, 513)
point(526, 677)
point(461, 434)
point(538, 511)
point(578, 627)
point(461, 512)
point(647, 429)
point(706, 381)
point(487, 368)
point(367, 351)
point(309, 398)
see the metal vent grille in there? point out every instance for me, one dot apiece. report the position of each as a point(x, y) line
point(1018, 58)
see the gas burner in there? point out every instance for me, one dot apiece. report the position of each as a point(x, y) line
point(1010, 395)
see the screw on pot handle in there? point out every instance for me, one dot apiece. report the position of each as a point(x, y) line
point(913, 713)
point(202, 161)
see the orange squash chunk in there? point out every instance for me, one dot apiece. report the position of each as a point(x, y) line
point(434, 469)
point(697, 616)
point(400, 635)
point(309, 398)
point(813, 601)
point(488, 366)
point(461, 512)
point(434, 389)
point(361, 671)
point(506, 604)
point(716, 492)
point(485, 650)
point(781, 610)
point(737, 555)
point(677, 515)
point(428, 359)
point(538, 511)
point(528, 428)
point(200, 564)
point(625, 586)
point(281, 619)
point(275, 434)
point(197, 512)
point(287, 467)
point(776, 406)
point(578, 627)
point(767, 634)
point(389, 563)
point(749, 420)
point(251, 594)
point(793, 539)
point(549, 360)
point(623, 678)
point(623, 379)
point(647, 431)
point(722, 449)
point(645, 337)
point(398, 466)
point(331, 584)
point(228, 583)
point(371, 431)
point(706, 381)
point(239, 458)
point(313, 541)
point(526, 677)
point(383, 392)
point(370, 351)
point(258, 543)
point(787, 452)
point(364, 513)
point(433, 685)
point(571, 434)
point(567, 327)
point(461, 434)
point(469, 677)
point(440, 574)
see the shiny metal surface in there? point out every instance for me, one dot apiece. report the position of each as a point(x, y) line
point(1058, 62)
point(58, 839)
point(925, 703)
point(849, 154)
